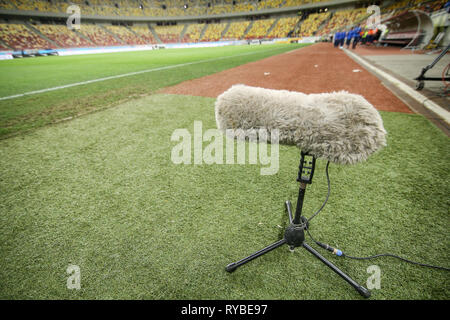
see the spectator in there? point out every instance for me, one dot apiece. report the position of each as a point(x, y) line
point(350, 35)
point(447, 7)
point(336, 39)
point(342, 39)
point(370, 36)
point(356, 37)
point(364, 35)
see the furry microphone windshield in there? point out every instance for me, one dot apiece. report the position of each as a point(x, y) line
point(341, 127)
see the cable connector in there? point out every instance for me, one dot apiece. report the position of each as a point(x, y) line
point(331, 249)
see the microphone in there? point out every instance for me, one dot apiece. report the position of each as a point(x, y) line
point(341, 127)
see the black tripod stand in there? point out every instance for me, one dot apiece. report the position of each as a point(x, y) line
point(294, 235)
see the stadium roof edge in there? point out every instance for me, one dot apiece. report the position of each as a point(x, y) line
point(316, 5)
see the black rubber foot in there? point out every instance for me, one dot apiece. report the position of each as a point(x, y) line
point(364, 292)
point(231, 267)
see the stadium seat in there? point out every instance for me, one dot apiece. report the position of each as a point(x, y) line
point(126, 35)
point(144, 33)
point(270, 4)
point(18, 37)
point(172, 8)
point(7, 5)
point(154, 8)
point(99, 36)
point(63, 36)
point(169, 34)
point(259, 29)
point(342, 19)
point(283, 27)
point(295, 3)
point(320, 23)
point(193, 32)
point(214, 32)
point(37, 5)
point(310, 25)
point(236, 30)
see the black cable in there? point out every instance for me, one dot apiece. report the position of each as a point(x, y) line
point(341, 254)
point(328, 194)
point(395, 256)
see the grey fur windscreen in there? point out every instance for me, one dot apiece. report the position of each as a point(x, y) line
point(341, 127)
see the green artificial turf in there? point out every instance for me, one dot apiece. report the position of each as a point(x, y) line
point(101, 192)
point(20, 76)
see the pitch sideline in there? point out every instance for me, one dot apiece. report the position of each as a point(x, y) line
point(128, 75)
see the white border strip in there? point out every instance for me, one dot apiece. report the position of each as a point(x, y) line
point(430, 105)
point(129, 74)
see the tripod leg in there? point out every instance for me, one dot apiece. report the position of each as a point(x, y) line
point(289, 210)
point(362, 291)
point(234, 265)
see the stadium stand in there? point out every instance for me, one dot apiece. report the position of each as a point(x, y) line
point(130, 8)
point(259, 29)
point(343, 18)
point(63, 36)
point(284, 27)
point(169, 34)
point(311, 24)
point(236, 30)
point(172, 8)
point(37, 5)
point(113, 31)
point(295, 3)
point(98, 7)
point(220, 9)
point(423, 5)
point(227, 6)
point(243, 7)
point(126, 35)
point(193, 32)
point(270, 4)
point(8, 5)
point(143, 32)
point(214, 32)
point(19, 37)
point(99, 36)
point(153, 8)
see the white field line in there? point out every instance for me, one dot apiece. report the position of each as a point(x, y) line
point(127, 75)
point(430, 105)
